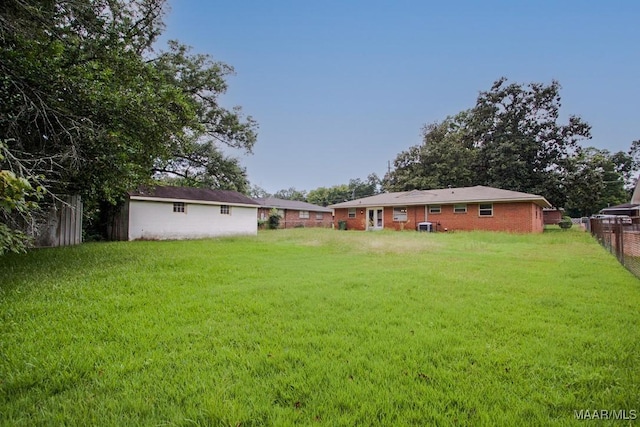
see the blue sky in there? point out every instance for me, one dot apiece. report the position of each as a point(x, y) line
point(339, 88)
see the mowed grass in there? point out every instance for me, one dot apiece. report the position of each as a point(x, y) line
point(319, 327)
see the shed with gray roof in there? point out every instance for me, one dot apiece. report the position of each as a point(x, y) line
point(167, 212)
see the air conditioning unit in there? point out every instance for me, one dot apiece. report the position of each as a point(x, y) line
point(425, 226)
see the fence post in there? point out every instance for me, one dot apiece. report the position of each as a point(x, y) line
point(619, 240)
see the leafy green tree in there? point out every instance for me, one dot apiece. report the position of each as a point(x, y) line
point(356, 189)
point(445, 158)
point(369, 187)
point(203, 165)
point(79, 103)
point(521, 144)
point(291, 194)
point(628, 164)
point(274, 219)
point(511, 139)
point(87, 105)
point(257, 191)
point(324, 196)
point(595, 180)
point(195, 155)
point(17, 206)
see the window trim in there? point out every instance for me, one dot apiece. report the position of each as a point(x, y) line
point(179, 207)
point(349, 215)
point(400, 214)
point(457, 208)
point(433, 211)
point(490, 209)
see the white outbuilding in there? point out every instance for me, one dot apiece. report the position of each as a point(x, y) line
point(166, 212)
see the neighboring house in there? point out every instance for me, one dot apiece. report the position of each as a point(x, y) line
point(294, 213)
point(552, 216)
point(165, 212)
point(467, 208)
point(627, 209)
point(630, 209)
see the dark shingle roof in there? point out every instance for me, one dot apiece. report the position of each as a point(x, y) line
point(192, 194)
point(624, 206)
point(274, 202)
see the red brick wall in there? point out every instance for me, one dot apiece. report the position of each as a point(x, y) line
point(552, 217)
point(292, 218)
point(513, 217)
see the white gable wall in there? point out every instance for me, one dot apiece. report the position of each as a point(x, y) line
point(156, 221)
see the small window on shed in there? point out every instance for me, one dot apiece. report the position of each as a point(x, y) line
point(485, 209)
point(225, 210)
point(178, 207)
point(461, 208)
point(352, 212)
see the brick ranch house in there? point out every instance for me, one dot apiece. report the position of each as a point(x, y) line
point(294, 213)
point(466, 208)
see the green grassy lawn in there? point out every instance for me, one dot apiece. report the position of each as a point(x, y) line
point(320, 327)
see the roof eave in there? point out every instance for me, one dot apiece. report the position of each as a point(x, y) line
point(192, 201)
point(540, 201)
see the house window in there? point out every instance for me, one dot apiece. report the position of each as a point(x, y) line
point(435, 209)
point(461, 208)
point(304, 214)
point(485, 209)
point(352, 212)
point(225, 210)
point(400, 214)
point(178, 207)
point(319, 215)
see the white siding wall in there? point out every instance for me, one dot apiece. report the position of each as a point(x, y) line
point(156, 220)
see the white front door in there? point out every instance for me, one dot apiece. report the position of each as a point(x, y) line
point(375, 219)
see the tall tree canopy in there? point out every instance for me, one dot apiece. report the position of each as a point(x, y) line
point(521, 144)
point(291, 194)
point(597, 179)
point(87, 106)
point(445, 158)
point(511, 139)
point(356, 189)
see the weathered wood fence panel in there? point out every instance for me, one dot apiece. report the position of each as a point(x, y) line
point(118, 225)
point(63, 226)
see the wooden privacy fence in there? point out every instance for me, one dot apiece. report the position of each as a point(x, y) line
point(62, 224)
point(622, 240)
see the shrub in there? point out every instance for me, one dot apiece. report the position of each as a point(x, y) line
point(565, 223)
point(274, 219)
